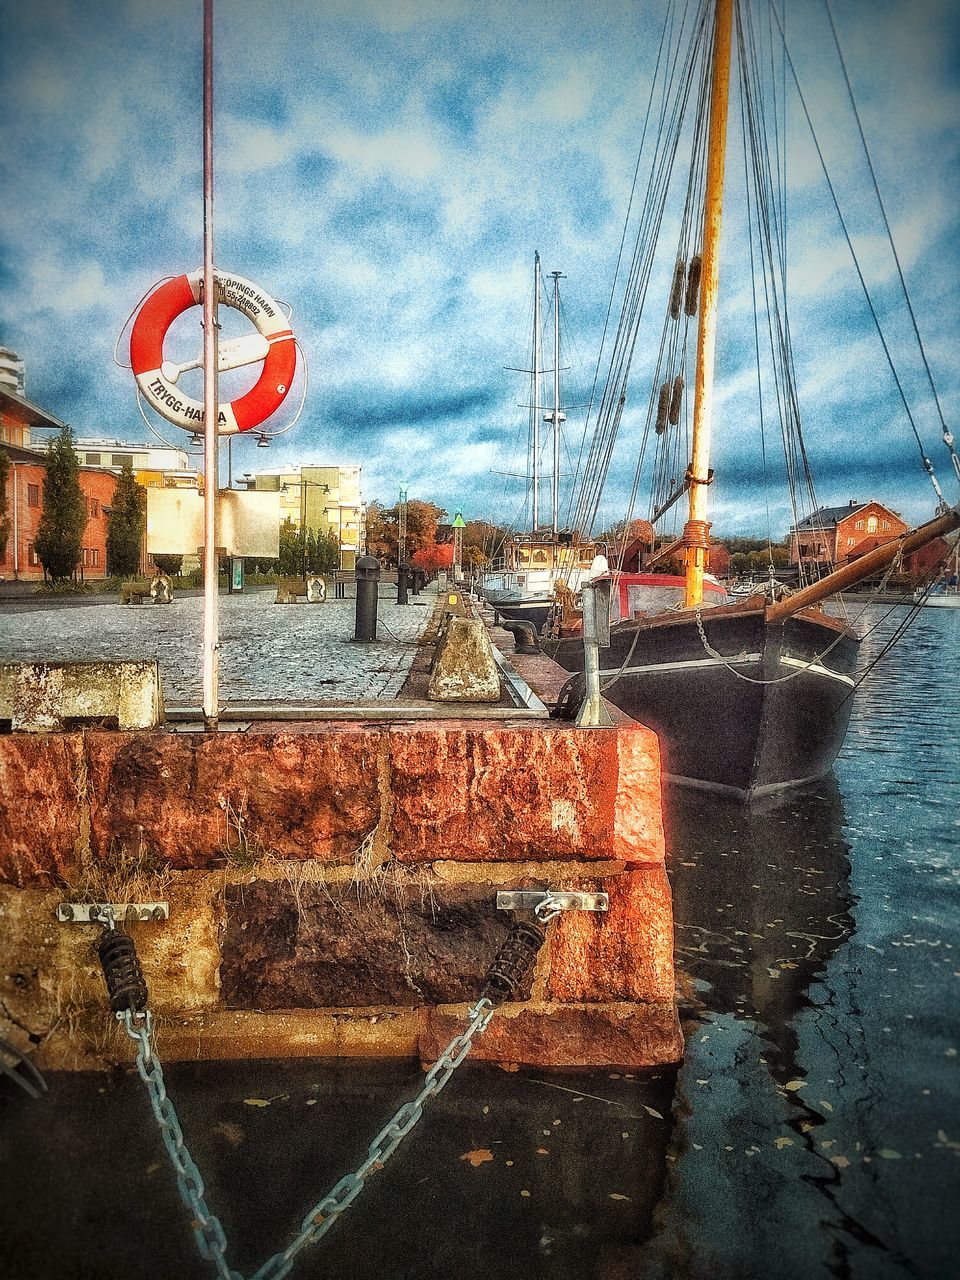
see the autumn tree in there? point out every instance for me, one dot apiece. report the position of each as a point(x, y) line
point(125, 524)
point(60, 533)
point(381, 526)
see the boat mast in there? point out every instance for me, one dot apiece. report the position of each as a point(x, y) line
point(696, 532)
point(556, 417)
point(535, 425)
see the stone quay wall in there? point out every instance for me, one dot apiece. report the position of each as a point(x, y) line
point(332, 889)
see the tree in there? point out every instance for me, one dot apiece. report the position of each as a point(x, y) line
point(125, 524)
point(433, 558)
point(170, 565)
point(4, 518)
point(381, 528)
point(60, 534)
point(291, 549)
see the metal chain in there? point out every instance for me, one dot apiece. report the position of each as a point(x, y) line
point(207, 1230)
point(326, 1212)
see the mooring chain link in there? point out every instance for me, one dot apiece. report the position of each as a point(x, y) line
point(207, 1229)
point(504, 976)
point(326, 1212)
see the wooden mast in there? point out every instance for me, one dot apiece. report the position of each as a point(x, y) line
point(696, 533)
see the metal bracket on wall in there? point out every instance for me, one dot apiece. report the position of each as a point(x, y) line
point(552, 899)
point(106, 913)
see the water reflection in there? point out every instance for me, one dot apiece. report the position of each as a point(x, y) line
point(761, 903)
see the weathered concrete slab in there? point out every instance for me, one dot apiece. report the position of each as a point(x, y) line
point(464, 668)
point(42, 697)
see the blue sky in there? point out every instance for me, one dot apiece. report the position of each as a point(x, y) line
point(388, 170)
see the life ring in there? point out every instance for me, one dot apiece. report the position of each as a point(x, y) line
point(156, 378)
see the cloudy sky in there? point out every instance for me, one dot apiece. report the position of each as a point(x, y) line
point(388, 167)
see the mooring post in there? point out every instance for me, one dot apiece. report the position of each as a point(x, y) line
point(596, 636)
point(403, 581)
point(368, 587)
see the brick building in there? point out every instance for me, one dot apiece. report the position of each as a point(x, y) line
point(24, 506)
point(833, 535)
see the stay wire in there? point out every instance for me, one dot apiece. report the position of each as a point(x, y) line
point(947, 434)
point(927, 464)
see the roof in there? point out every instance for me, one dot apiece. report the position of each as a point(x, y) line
point(826, 517)
point(16, 453)
point(830, 516)
point(25, 411)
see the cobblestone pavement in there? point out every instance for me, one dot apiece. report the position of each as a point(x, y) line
point(296, 653)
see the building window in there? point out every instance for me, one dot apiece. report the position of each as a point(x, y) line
point(117, 459)
point(93, 507)
point(886, 524)
point(93, 459)
point(32, 558)
point(850, 542)
point(90, 558)
point(859, 524)
point(33, 495)
point(141, 461)
point(872, 525)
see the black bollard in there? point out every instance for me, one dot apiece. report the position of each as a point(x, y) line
point(368, 578)
point(415, 580)
point(403, 582)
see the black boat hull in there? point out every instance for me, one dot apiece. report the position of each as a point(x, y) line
point(767, 709)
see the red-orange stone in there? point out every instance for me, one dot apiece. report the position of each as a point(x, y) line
point(624, 1036)
point(192, 797)
point(625, 953)
point(524, 793)
point(39, 806)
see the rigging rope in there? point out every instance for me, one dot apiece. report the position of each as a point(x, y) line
point(947, 434)
point(927, 464)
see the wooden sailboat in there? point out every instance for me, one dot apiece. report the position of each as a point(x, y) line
point(754, 696)
point(536, 560)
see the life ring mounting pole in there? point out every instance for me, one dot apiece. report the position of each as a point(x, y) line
point(211, 401)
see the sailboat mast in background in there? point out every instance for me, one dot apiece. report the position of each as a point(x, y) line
point(535, 398)
point(556, 417)
point(696, 533)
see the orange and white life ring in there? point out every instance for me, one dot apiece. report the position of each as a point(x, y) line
point(273, 343)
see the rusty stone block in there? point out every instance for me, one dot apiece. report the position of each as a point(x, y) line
point(638, 806)
point(524, 792)
point(317, 946)
point(193, 798)
point(40, 808)
point(625, 1036)
point(625, 953)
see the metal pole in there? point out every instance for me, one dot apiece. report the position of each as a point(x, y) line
point(593, 713)
point(555, 493)
point(211, 576)
point(303, 523)
point(536, 391)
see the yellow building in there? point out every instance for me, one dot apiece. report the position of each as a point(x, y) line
point(325, 499)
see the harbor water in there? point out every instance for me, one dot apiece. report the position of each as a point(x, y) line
point(812, 1130)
